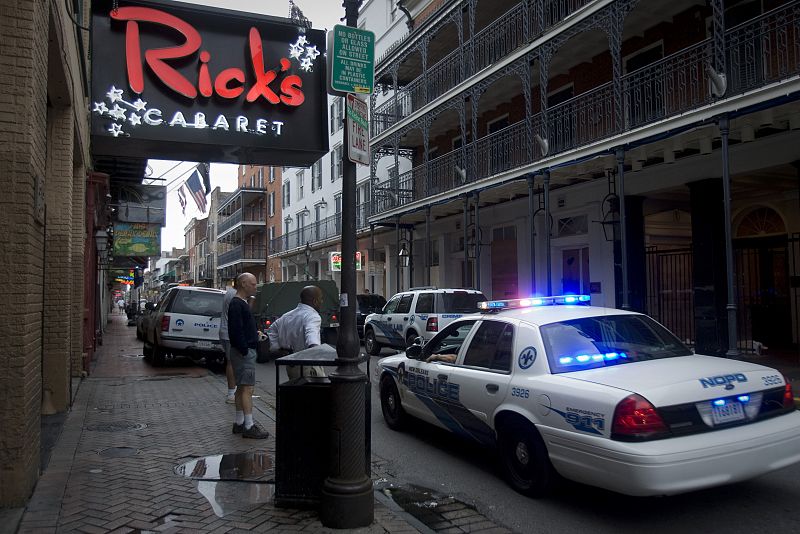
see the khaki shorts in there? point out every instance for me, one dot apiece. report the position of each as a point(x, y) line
point(244, 366)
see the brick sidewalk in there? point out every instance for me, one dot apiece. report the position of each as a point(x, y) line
point(130, 426)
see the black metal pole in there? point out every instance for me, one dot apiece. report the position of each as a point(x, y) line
point(427, 245)
point(477, 241)
point(531, 211)
point(623, 227)
point(733, 346)
point(547, 231)
point(465, 270)
point(347, 499)
point(397, 256)
point(371, 258)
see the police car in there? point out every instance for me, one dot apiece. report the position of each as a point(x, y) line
point(419, 312)
point(601, 396)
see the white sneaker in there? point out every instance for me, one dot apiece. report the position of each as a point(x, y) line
point(230, 399)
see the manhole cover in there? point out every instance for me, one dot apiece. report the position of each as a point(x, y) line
point(118, 452)
point(116, 426)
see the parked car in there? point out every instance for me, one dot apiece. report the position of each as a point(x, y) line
point(419, 312)
point(143, 318)
point(186, 323)
point(275, 299)
point(365, 305)
point(601, 396)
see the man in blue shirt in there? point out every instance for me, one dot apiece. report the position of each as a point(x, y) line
point(244, 341)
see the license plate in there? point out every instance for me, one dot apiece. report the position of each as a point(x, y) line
point(332, 325)
point(728, 412)
point(204, 344)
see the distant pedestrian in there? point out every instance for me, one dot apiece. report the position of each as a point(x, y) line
point(121, 305)
point(244, 341)
point(298, 330)
point(230, 398)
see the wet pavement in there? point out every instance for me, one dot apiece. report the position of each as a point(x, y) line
point(151, 450)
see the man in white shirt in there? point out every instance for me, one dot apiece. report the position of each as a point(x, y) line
point(226, 343)
point(298, 330)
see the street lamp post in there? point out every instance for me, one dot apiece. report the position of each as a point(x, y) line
point(347, 499)
point(308, 258)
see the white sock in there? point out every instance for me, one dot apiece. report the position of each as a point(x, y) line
point(248, 420)
point(231, 392)
point(239, 417)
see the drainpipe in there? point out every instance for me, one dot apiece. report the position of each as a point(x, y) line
point(733, 349)
point(547, 231)
point(477, 242)
point(623, 228)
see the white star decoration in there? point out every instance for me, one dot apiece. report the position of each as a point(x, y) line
point(312, 52)
point(115, 130)
point(100, 107)
point(301, 40)
point(114, 94)
point(139, 105)
point(295, 51)
point(117, 112)
point(134, 119)
point(306, 64)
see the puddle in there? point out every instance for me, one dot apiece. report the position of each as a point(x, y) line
point(232, 482)
point(422, 503)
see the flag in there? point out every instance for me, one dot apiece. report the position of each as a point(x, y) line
point(196, 189)
point(205, 172)
point(182, 198)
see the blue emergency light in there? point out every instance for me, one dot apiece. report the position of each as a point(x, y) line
point(533, 302)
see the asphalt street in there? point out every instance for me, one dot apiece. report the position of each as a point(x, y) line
point(431, 458)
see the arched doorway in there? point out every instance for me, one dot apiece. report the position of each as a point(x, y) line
point(762, 280)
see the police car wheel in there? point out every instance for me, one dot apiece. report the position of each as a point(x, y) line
point(393, 412)
point(525, 460)
point(371, 344)
point(159, 356)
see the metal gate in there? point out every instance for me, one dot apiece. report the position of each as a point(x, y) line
point(670, 297)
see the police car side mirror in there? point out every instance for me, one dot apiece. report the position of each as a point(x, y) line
point(414, 351)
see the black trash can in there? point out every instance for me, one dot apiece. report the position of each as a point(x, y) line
point(303, 427)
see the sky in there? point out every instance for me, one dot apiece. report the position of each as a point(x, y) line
point(323, 14)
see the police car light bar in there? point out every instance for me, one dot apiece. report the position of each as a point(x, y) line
point(531, 302)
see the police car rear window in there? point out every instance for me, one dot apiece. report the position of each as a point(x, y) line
point(591, 342)
point(198, 303)
point(461, 302)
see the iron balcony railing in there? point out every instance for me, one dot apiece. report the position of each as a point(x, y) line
point(239, 216)
point(500, 38)
point(243, 253)
point(328, 228)
point(762, 51)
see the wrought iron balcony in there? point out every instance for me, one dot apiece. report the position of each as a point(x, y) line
point(328, 228)
point(243, 253)
point(239, 216)
point(759, 52)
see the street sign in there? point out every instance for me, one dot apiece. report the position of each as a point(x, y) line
point(352, 60)
point(357, 130)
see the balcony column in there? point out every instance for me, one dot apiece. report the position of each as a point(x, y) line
point(396, 105)
point(397, 256)
point(427, 245)
point(623, 227)
point(471, 13)
point(423, 50)
point(614, 31)
point(532, 244)
point(425, 156)
point(733, 349)
point(525, 75)
point(545, 55)
point(548, 231)
point(475, 96)
point(462, 120)
point(465, 270)
point(718, 20)
point(477, 241)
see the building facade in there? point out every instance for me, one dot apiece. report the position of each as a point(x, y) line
point(641, 152)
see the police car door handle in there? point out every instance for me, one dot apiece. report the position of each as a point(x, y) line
point(492, 388)
point(405, 318)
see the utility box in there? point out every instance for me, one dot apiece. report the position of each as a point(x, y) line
point(303, 429)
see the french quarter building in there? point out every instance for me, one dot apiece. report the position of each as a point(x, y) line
point(51, 205)
point(645, 153)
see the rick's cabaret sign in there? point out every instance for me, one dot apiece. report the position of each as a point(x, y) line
point(182, 81)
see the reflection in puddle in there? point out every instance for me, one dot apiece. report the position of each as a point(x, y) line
point(227, 497)
point(253, 466)
point(232, 482)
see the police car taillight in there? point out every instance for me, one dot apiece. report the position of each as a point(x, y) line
point(432, 325)
point(636, 419)
point(165, 323)
point(788, 397)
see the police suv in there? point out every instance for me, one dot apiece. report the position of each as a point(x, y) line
point(419, 312)
point(601, 396)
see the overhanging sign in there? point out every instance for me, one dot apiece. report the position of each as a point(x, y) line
point(357, 130)
point(352, 60)
point(190, 82)
point(336, 261)
point(137, 239)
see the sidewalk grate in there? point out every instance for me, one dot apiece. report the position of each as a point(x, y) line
point(116, 426)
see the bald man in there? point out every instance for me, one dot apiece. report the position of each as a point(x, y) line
point(244, 340)
point(298, 330)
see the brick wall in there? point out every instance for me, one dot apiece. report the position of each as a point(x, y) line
point(23, 108)
point(77, 267)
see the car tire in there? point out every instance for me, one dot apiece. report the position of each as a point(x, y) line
point(371, 344)
point(159, 356)
point(147, 352)
point(410, 338)
point(523, 455)
point(393, 412)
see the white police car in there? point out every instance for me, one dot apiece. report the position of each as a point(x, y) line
point(601, 396)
